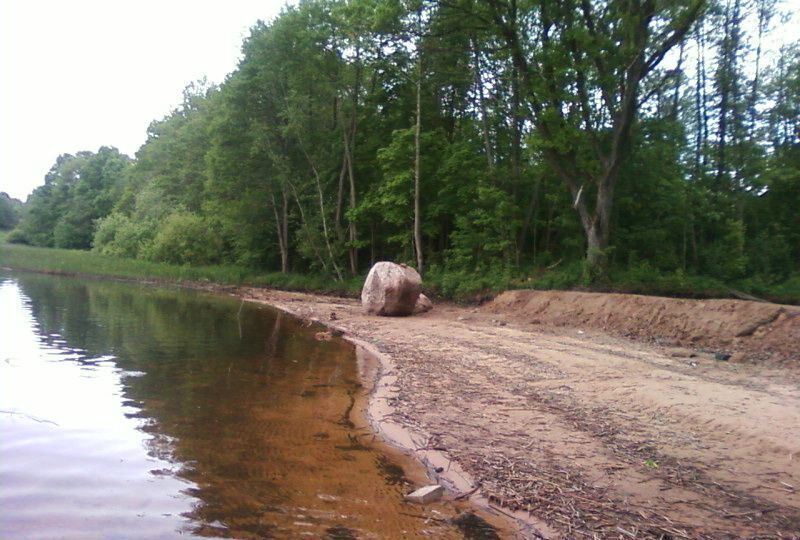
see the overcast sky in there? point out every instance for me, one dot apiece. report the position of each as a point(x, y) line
point(80, 74)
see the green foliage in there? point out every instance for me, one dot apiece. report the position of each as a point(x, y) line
point(9, 212)
point(302, 162)
point(567, 277)
point(467, 286)
point(787, 291)
point(77, 191)
point(726, 258)
point(121, 236)
point(484, 234)
point(186, 238)
point(16, 236)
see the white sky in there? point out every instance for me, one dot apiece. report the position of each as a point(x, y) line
point(79, 74)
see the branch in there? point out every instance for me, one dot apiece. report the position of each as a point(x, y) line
point(585, 108)
point(598, 59)
point(683, 27)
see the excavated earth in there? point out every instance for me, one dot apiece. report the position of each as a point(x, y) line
point(598, 415)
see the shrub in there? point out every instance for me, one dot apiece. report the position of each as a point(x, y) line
point(17, 236)
point(120, 236)
point(465, 286)
point(565, 277)
point(186, 238)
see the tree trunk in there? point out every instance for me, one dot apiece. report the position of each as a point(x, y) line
point(306, 228)
point(725, 82)
point(529, 217)
point(337, 220)
point(281, 230)
point(417, 127)
point(516, 130)
point(699, 102)
point(352, 251)
point(321, 200)
point(598, 232)
point(285, 227)
point(350, 149)
point(487, 142)
point(676, 96)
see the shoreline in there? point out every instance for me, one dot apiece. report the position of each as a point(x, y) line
point(376, 371)
point(593, 434)
point(537, 418)
point(440, 468)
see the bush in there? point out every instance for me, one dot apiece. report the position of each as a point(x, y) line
point(465, 286)
point(120, 236)
point(186, 238)
point(16, 236)
point(642, 278)
point(788, 291)
point(726, 258)
point(567, 277)
point(73, 230)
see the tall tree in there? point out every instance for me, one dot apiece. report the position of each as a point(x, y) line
point(78, 190)
point(582, 64)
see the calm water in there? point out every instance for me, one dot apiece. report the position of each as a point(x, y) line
point(134, 412)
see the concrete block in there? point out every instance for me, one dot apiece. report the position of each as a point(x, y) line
point(425, 495)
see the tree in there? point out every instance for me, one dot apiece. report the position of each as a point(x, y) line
point(9, 211)
point(582, 65)
point(78, 190)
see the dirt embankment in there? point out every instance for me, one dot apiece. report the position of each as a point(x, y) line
point(590, 434)
point(748, 331)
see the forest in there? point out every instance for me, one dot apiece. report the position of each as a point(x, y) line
point(632, 145)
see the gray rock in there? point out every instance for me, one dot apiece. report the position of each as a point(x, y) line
point(391, 289)
point(425, 495)
point(423, 304)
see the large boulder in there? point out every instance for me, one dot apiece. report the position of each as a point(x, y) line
point(391, 289)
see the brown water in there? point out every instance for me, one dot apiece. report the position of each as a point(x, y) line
point(134, 412)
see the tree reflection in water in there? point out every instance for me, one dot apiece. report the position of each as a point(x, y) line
point(238, 402)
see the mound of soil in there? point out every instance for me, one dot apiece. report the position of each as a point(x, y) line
point(749, 331)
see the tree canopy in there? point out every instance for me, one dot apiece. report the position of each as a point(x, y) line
point(467, 138)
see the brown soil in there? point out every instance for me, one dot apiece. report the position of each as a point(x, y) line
point(537, 400)
point(749, 331)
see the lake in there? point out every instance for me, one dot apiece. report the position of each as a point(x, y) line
point(131, 411)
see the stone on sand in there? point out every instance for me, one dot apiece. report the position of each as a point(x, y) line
point(391, 289)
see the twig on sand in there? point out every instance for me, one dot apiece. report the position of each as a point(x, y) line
point(29, 417)
point(467, 494)
point(420, 516)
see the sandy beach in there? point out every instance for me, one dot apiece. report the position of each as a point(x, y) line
point(575, 432)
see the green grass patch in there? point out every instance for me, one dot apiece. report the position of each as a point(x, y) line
point(67, 261)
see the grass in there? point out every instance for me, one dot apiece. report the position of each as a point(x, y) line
point(76, 262)
point(460, 286)
point(640, 279)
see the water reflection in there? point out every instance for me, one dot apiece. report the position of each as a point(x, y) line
point(137, 412)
